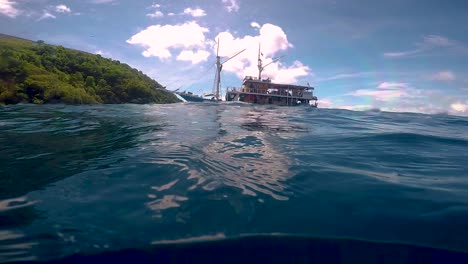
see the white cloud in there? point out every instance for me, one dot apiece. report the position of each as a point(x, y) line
point(255, 25)
point(387, 92)
point(360, 107)
point(429, 43)
point(194, 57)
point(231, 5)
point(273, 40)
point(155, 5)
point(325, 103)
point(156, 14)
point(158, 40)
point(436, 40)
point(392, 85)
point(47, 15)
point(198, 12)
point(380, 95)
point(103, 53)
point(7, 8)
point(402, 97)
point(459, 107)
point(62, 9)
point(101, 1)
point(443, 76)
point(400, 54)
point(170, 14)
point(345, 76)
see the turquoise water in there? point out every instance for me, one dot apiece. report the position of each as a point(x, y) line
point(92, 179)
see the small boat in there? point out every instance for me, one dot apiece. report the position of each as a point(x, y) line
point(214, 96)
point(190, 97)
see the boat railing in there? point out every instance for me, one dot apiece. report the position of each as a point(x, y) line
point(273, 92)
point(233, 89)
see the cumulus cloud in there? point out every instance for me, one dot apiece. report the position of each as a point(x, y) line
point(189, 42)
point(7, 8)
point(155, 5)
point(62, 9)
point(170, 14)
point(197, 12)
point(460, 107)
point(273, 40)
point(231, 5)
point(446, 76)
point(159, 40)
point(156, 14)
point(255, 25)
point(194, 57)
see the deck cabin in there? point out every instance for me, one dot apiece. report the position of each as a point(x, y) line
point(264, 91)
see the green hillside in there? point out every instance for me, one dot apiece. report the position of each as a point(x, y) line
point(37, 72)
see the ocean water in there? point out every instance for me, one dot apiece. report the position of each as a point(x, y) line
point(92, 180)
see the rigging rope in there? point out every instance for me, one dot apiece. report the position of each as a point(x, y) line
point(197, 78)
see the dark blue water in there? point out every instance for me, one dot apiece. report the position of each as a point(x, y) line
point(95, 179)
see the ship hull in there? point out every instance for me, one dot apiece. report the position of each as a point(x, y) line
point(267, 99)
point(191, 98)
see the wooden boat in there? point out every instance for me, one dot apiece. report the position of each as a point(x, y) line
point(264, 91)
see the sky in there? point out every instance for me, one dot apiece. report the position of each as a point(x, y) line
point(400, 55)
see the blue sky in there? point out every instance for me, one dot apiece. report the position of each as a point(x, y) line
point(358, 54)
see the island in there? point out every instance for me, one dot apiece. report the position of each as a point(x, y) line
point(40, 73)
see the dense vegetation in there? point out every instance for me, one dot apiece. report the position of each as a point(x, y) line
point(37, 72)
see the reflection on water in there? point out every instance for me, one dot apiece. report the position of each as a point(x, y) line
point(190, 240)
point(167, 201)
point(15, 203)
point(14, 246)
point(16, 212)
point(239, 151)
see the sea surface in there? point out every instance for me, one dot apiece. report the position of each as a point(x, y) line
point(86, 180)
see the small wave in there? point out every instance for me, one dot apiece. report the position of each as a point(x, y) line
point(14, 247)
point(15, 203)
point(197, 239)
point(414, 138)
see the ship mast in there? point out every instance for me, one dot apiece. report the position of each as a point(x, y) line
point(219, 67)
point(260, 66)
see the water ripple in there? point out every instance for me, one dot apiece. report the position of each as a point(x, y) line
point(113, 177)
point(14, 247)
